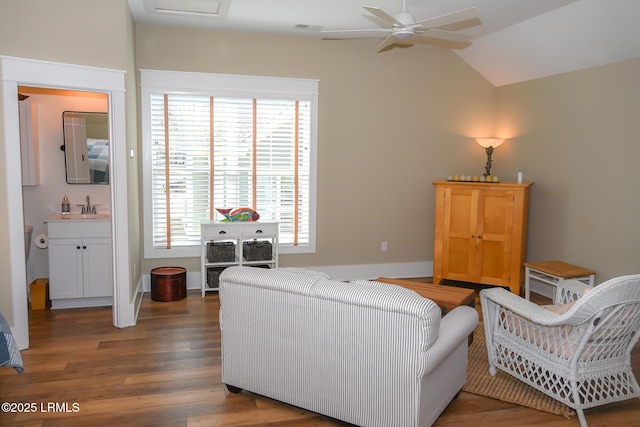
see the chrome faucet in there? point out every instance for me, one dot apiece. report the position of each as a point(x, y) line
point(88, 209)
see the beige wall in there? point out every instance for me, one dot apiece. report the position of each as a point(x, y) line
point(576, 135)
point(389, 124)
point(84, 32)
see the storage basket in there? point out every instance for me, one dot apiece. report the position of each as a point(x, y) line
point(213, 276)
point(257, 250)
point(221, 251)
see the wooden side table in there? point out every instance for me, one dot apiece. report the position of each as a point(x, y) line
point(553, 272)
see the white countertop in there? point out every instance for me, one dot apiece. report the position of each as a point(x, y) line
point(75, 216)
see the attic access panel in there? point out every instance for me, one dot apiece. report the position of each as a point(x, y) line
point(205, 8)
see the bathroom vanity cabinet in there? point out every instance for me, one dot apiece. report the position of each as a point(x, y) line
point(80, 267)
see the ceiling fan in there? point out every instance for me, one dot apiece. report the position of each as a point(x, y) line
point(404, 26)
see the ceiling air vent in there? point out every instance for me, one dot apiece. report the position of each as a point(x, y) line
point(307, 27)
point(205, 8)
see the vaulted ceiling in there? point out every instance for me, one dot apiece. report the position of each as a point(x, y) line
point(515, 41)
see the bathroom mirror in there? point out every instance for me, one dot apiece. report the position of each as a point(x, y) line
point(86, 147)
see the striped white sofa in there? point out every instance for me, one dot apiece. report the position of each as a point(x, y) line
point(367, 353)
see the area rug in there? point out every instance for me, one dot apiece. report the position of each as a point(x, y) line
point(503, 386)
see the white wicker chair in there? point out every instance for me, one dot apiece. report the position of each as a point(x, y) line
point(581, 357)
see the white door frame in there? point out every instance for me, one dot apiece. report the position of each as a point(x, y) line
point(16, 72)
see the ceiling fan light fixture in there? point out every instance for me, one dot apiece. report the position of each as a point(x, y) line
point(403, 33)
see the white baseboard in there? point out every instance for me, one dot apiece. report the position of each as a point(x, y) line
point(81, 302)
point(337, 272)
point(137, 299)
point(372, 271)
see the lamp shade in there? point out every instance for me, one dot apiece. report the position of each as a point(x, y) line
point(490, 142)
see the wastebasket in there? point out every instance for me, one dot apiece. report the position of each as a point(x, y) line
point(39, 292)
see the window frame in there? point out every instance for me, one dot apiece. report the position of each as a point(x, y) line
point(227, 85)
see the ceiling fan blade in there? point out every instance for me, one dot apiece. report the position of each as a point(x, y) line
point(386, 43)
point(384, 16)
point(450, 18)
point(445, 35)
point(431, 42)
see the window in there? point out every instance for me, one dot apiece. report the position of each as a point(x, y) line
point(221, 141)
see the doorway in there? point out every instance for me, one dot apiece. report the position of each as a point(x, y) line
point(75, 181)
point(25, 72)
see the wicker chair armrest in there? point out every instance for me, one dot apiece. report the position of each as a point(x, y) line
point(569, 290)
point(522, 307)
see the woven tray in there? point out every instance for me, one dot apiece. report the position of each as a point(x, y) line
point(221, 251)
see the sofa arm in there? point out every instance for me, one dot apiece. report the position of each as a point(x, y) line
point(455, 328)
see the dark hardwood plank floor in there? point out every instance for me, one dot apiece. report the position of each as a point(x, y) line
point(165, 371)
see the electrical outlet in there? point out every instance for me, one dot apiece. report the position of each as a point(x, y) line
point(384, 247)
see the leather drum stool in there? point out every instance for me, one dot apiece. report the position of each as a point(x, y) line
point(168, 284)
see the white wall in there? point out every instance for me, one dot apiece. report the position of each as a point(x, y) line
point(43, 200)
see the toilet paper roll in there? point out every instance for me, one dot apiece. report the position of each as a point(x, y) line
point(42, 241)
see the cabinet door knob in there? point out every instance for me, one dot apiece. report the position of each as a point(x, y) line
point(258, 231)
point(84, 247)
point(78, 247)
point(222, 232)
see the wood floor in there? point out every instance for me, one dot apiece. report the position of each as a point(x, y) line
point(165, 371)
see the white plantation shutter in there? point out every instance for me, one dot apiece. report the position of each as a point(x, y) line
point(227, 150)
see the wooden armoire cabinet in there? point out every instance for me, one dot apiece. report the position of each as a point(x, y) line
point(481, 232)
